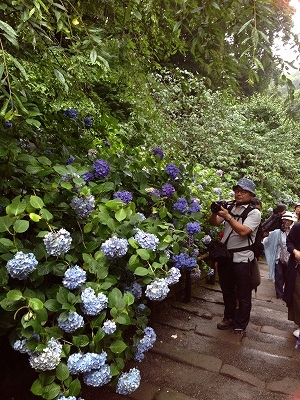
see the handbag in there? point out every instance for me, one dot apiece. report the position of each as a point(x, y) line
point(219, 252)
point(284, 254)
point(255, 274)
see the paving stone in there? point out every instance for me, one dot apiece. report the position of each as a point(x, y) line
point(236, 373)
point(170, 394)
point(146, 391)
point(286, 386)
point(270, 330)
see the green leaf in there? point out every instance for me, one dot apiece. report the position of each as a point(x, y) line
point(62, 372)
point(6, 242)
point(120, 215)
point(46, 214)
point(35, 304)
point(16, 207)
point(81, 340)
point(20, 67)
point(21, 226)
point(31, 169)
point(35, 217)
point(141, 271)
point(93, 56)
point(114, 297)
point(14, 295)
point(144, 254)
point(118, 346)
point(75, 387)
point(36, 202)
point(33, 122)
point(52, 305)
point(8, 29)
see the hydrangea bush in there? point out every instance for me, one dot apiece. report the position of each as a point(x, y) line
point(82, 259)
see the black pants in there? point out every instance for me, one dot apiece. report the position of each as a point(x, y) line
point(235, 283)
point(280, 273)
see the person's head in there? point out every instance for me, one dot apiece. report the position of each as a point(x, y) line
point(279, 209)
point(297, 210)
point(256, 202)
point(288, 219)
point(244, 190)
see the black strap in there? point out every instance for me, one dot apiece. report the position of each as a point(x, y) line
point(243, 215)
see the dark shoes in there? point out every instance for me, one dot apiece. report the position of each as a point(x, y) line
point(225, 324)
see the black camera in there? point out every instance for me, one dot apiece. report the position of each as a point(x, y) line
point(215, 207)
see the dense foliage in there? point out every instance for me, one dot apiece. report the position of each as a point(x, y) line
point(116, 135)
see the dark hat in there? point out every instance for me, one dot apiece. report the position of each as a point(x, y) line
point(245, 184)
point(279, 208)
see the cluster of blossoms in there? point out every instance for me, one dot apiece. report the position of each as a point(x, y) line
point(157, 290)
point(88, 177)
point(109, 327)
point(217, 191)
point(128, 382)
point(62, 397)
point(92, 304)
point(145, 344)
point(219, 172)
point(92, 154)
point(74, 277)
point(167, 190)
point(141, 215)
point(93, 367)
point(88, 122)
point(183, 260)
point(146, 240)
point(58, 242)
point(173, 276)
point(7, 124)
point(124, 196)
point(71, 113)
point(181, 205)
point(70, 160)
point(157, 151)
point(101, 168)
point(192, 228)
point(70, 322)
point(114, 247)
point(21, 265)
point(135, 289)
point(49, 358)
point(194, 206)
point(206, 239)
point(172, 170)
point(69, 177)
point(83, 206)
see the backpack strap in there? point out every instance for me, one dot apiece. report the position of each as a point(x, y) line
point(243, 216)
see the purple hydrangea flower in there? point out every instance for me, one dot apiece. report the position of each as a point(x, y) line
point(157, 151)
point(83, 206)
point(219, 172)
point(114, 247)
point(88, 177)
point(124, 196)
point(172, 170)
point(128, 382)
point(192, 228)
point(7, 124)
point(145, 343)
point(183, 260)
point(71, 113)
point(167, 190)
point(101, 168)
point(92, 304)
point(194, 206)
point(106, 143)
point(70, 322)
point(88, 122)
point(109, 327)
point(206, 239)
point(74, 277)
point(135, 289)
point(70, 160)
point(21, 265)
point(157, 290)
point(155, 192)
point(181, 205)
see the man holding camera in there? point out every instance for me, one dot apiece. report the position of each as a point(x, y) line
point(234, 274)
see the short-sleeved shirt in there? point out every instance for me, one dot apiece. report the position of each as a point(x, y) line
point(236, 241)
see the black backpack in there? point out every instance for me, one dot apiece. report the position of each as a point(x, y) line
point(257, 246)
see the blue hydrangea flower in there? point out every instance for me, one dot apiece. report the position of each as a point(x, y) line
point(146, 240)
point(21, 346)
point(58, 242)
point(183, 260)
point(7, 124)
point(88, 176)
point(206, 239)
point(167, 190)
point(21, 265)
point(193, 228)
point(106, 143)
point(128, 382)
point(141, 215)
point(88, 122)
point(181, 205)
point(124, 196)
point(156, 192)
point(141, 310)
point(49, 358)
point(83, 206)
point(218, 191)
point(74, 277)
point(114, 247)
point(79, 363)
point(157, 151)
point(219, 172)
point(135, 289)
point(62, 397)
point(101, 168)
point(92, 154)
point(109, 327)
point(71, 113)
point(157, 290)
point(172, 170)
point(145, 344)
point(98, 377)
point(173, 276)
point(70, 321)
point(194, 206)
point(70, 160)
point(92, 304)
